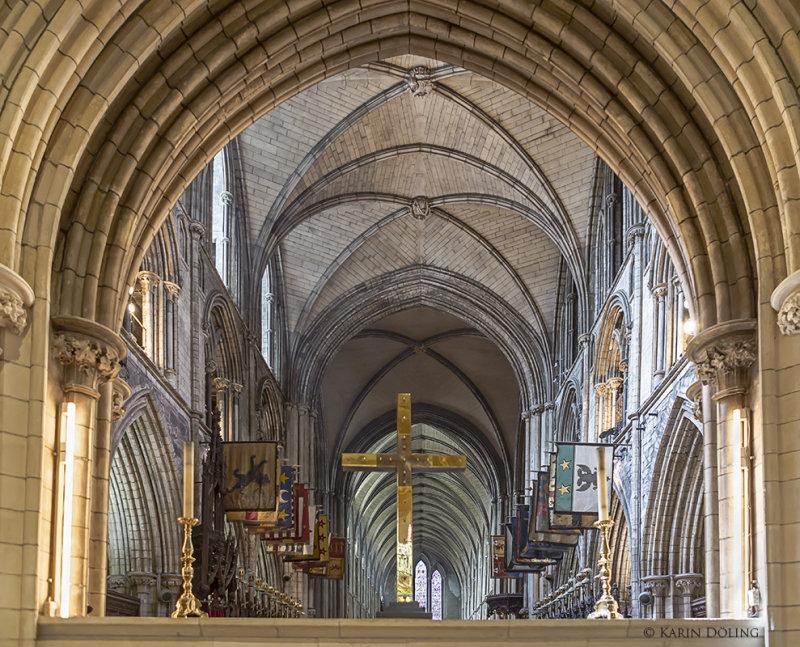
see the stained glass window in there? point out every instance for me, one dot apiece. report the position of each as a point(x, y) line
point(421, 584)
point(436, 595)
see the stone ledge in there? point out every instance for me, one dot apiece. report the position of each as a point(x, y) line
point(222, 632)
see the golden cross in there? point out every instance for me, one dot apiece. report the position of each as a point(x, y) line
point(404, 462)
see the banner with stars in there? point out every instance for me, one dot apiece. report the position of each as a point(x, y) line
point(575, 478)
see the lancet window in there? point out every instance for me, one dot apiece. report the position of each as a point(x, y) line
point(567, 325)
point(436, 595)
point(421, 584)
point(221, 218)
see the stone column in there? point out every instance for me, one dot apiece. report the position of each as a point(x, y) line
point(148, 284)
point(171, 291)
point(585, 342)
point(658, 585)
point(197, 298)
point(659, 345)
point(220, 387)
point(89, 355)
point(538, 439)
point(724, 356)
point(236, 392)
point(687, 584)
point(614, 388)
point(118, 391)
point(705, 411)
point(600, 411)
point(547, 426)
point(144, 587)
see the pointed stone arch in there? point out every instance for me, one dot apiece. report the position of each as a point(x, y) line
point(143, 533)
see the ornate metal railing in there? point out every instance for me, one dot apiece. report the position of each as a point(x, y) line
point(251, 597)
point(576, 599)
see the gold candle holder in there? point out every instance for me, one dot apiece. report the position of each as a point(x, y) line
point(187, 605)
point(606, 607)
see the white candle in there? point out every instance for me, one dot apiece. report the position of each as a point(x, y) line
point(602, 487)
point(188, 479)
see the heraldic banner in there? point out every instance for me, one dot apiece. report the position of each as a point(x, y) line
point(250, 475)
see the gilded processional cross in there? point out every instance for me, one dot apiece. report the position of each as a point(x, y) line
point(403, 462)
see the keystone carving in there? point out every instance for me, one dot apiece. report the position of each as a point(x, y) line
point(420, 207)
point(420, 81)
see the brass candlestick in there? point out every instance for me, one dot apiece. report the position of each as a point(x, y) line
point(187, 605)
point(606, 607)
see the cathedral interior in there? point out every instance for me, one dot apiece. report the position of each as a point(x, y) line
point(549, 222)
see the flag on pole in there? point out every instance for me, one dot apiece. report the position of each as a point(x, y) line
point(299, 515)
point(574, 482)
point(539, 529)
point(250, 477)
point(498, 553)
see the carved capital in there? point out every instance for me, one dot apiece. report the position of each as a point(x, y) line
point(584, 338)
point(657, 584)
point(549, 406)
point(144, 583)
point(723, 355)
point(695, 394)
point(196, 229)
point(226, 197)
point(538, 410)
point(789, 315)
point(15, 297)
point(89, 353)
point(118, 583)
point(659, 292)
point(420, 81)
point(220, 384)
point(420, 207)
point(786, 301)
point(688, 583)
point(634, 232)
point(121, 392)
point(172, 289)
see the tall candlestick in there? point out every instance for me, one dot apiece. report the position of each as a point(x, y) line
point(602, 486)
point(188, 479)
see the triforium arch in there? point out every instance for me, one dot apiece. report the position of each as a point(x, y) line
point(143, 549)
point(704, 141)
point(673, 547)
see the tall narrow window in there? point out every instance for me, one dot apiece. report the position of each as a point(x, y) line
point(220, 218)
point(421, 584)
point(266, 318)
point(436, 595)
